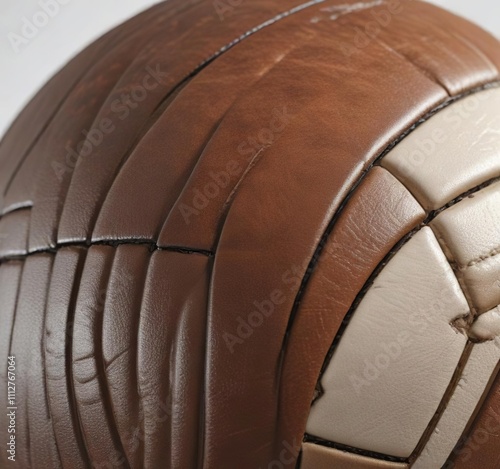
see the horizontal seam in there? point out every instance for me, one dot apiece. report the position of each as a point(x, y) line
point(316, 440)
point(111, 243)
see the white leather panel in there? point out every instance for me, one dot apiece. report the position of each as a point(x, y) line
point(397, 355)
point(475, 378)
point(487, 326)
point(320, 457)
point(454, 151)
point(470, 235)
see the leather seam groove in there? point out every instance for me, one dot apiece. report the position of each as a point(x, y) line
point(112, 243)
point(493, 253)
point(308, 438)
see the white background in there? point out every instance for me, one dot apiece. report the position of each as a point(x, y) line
point(79, 22)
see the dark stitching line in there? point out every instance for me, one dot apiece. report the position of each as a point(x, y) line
point(107, 51)
point(448, 394)
point(355, 304)
point(141, 133)
point(113, 243)
point(434, 213)
point(308, 438)
point(172, 94)
point(16, 304)
point(457, 270)
point(466, 435)
point(448, 252)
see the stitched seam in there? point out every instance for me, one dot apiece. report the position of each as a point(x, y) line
point(313, 439)
point(448, 394)
point(493, 253)
point(113, 243)
point(448, 252)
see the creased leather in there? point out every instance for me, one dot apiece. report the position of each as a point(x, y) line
point(112, 275)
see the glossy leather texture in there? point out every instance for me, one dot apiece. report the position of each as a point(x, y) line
point(193, 209)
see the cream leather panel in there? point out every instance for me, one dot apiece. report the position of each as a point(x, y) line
point(320, 457)
point(487, 326)
point(477, 373)
point(470, 235)
point(397, 356)
point(483, 283)
point(454, 151)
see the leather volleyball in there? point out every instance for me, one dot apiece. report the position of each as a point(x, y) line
point(257, 234)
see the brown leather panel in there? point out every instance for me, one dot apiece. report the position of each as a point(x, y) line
point(470, 34)
point(59, 323)
point(123, 297)
point(10, 278)
point(27, 347)
point(479, 447)
point(14, 232)
point(171, 358)
point(379, 214)
point(91, 392)
point(188, 32)
point(172, 148)
point(43, 447)
point(55, 152)
point(320, 457)
point(443, 53)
